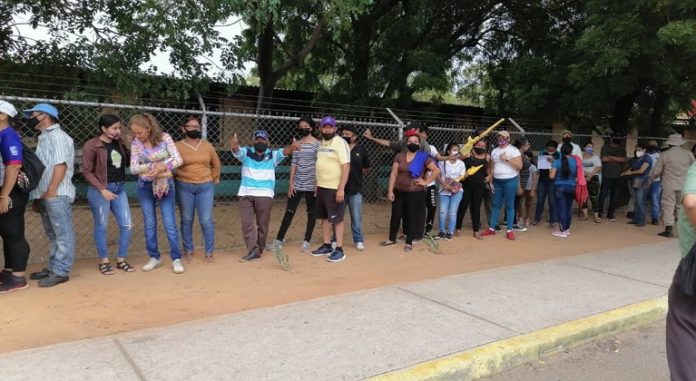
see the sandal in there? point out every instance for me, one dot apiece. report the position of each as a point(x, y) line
point(477, 235)
point(123, 265)
point(105, 268)
point(387, 243)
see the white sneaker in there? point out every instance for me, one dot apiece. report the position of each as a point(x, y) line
point(305, 247)
point(277, 244)
point(360, 246)
point(177, 266)
point(152, 264)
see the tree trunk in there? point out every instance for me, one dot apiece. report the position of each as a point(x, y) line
point(362, 35)
point(622, 113)
point(264, 65)
point(659, 108)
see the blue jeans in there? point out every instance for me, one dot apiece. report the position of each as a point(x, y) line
point(565, 195)
point(56, 216)
point(355, 202)
point(100, 212)
point(655, 199)
point(148, 206)
point(192, 198)
point(449, 204)
point(504, 190)
point(544, 190)
point(639, 198)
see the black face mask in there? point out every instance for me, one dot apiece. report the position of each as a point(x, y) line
point(479, 150)
point(32, 123)
point(194, 134)
point(413, 147)
point(348, 139)
point(567, 140)
point(328, 136)
point(302, 132)
point(260, 147)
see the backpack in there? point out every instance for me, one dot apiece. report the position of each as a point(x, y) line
point(31, 172)
point(581, 191)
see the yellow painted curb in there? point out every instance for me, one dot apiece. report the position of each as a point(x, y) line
point(498, 356)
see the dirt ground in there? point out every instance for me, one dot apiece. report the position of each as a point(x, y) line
point(92, 304)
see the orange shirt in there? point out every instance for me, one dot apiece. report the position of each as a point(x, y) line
point(201, 163)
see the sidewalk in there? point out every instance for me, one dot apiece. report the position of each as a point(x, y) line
point(365, 334)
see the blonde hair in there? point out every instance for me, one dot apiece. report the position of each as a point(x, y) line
point(149, 122)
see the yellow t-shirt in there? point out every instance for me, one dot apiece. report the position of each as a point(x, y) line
point(331, 155)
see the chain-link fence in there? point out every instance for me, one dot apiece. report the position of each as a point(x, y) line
point(79, 120)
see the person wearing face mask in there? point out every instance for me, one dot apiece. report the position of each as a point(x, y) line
point(545, 184)
point(655, 191)
point(410, 173)
point(302, 183)
point(104, 161)
point(474, 187)
point(613, 158)
point(359, 167)
point(507, 162)
point(333, 168)
point(195, 186)
point(639, 180)
point(257, 188)
point(567, 137)
point(564, 171)
point(592, 167)
point(452, 172)
point(55, 193)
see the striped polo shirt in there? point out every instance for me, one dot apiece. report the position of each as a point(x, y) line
point(305, 159)
point(258, 171)
point(55, 147)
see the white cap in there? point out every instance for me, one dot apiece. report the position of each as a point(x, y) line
point(7, 108)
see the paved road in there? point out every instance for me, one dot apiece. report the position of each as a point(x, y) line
point(637, 355)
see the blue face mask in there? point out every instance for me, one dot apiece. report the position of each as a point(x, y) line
point(589, 150)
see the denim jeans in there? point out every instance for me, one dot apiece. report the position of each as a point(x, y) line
point(544, 190)
point(355, 202)
point(100, 212)
point(148, 204)
point(565, 195)
point(56, 216)
point(655, 199)
point(504, 190)
point(449, 204)
point(196, 198)
point(640, 196)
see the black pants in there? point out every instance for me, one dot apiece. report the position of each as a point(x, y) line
point(431, 207)
point(473, 198)
point(610, 187)
point(14, 245)
point(408, 206)
point(293, 203)
point(681, 333)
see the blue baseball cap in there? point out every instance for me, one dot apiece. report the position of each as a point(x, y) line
point(261, 134)
point(42, 107)
point(330, 120)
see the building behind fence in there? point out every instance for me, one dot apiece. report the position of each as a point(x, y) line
point(79, 120)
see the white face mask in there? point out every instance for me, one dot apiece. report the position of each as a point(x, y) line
point(640, 153)
point(454, 152)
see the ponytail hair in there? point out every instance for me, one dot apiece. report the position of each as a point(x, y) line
point(566, 150)
point(149, 122)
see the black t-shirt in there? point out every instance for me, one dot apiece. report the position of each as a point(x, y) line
point(115, 163)
point(480, 175)
point(612, 170)
point(359, 160)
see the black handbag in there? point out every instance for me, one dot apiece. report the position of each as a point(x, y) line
point(687, 273)
point(31, 172)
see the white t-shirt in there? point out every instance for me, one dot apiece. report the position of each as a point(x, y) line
point(451, 171)
point(530, 181)
point(589, 165)
point(577, 151)
point(502, 169)
point(433, 154)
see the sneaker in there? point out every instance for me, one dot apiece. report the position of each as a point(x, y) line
point(336, 256)
point(666, 234)
point(440, 235)
point(360, 246)
point(416, 241)
point(177, 266)
point(488, 232)
point(322, 250)
point(12, 283)
point(305, 247)
point(655, 221)
point(519, 228)
point(5, 276)
point(560, 234)
point(510, 235)
point(152, 264)
point(53, 280)
point(277, 244)
point(448, 236)
point(40, 274)
point(253, 255)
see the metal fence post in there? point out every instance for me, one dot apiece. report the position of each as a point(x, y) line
point(399, 122)
point(204, 118)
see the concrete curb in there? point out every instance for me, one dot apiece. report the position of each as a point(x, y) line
point(498, 356)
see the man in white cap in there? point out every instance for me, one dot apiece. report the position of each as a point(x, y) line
point(567, 137)
point(13, 202)
point(55, 193)
point(672, 166)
